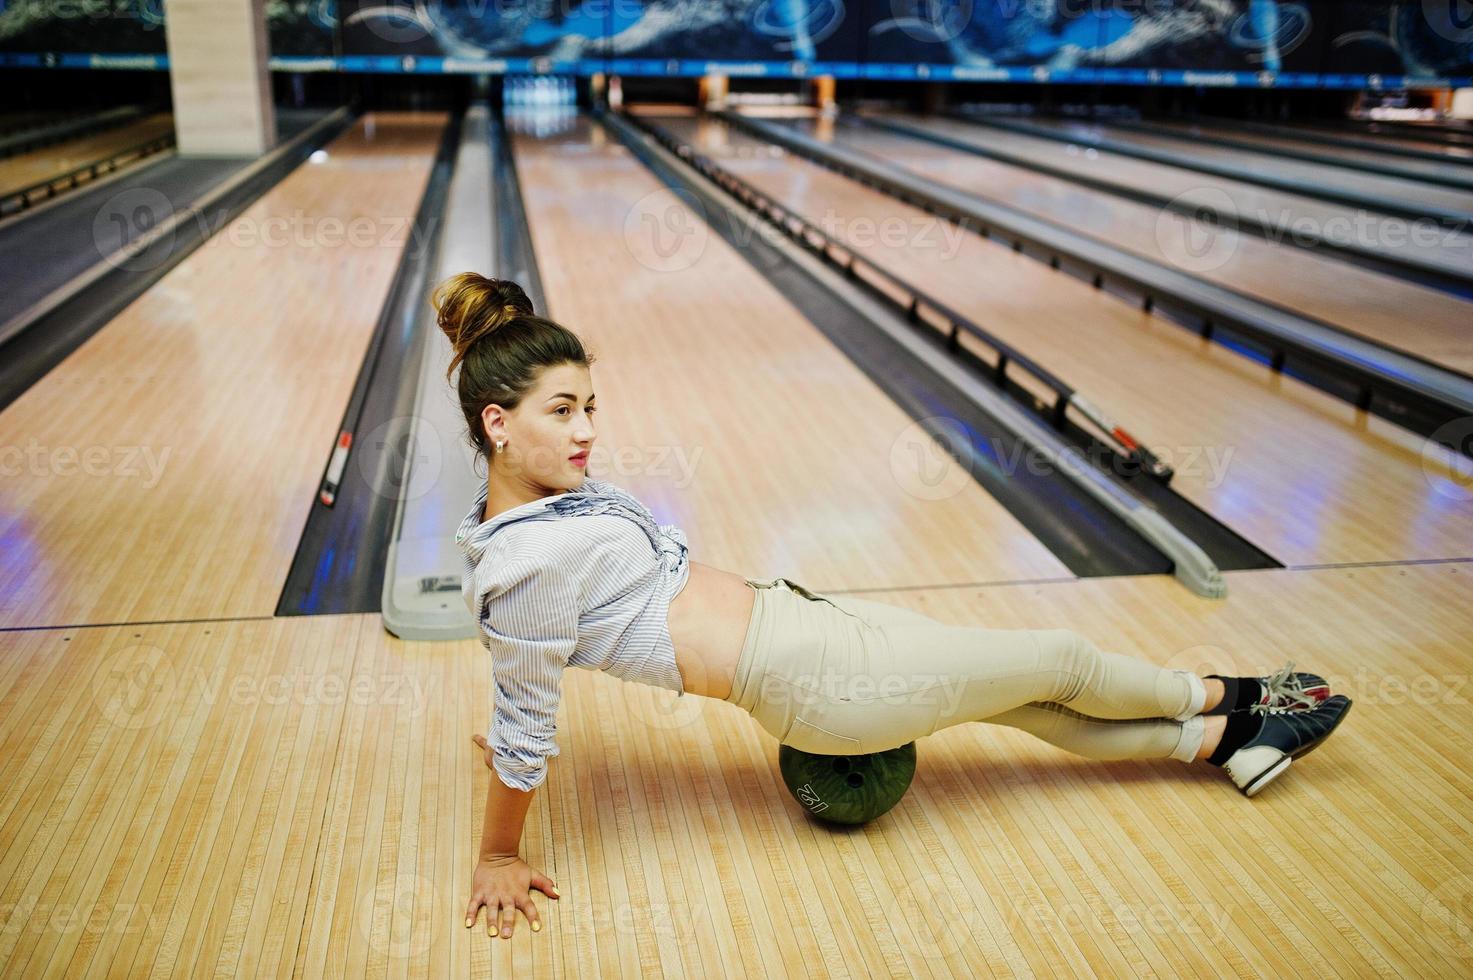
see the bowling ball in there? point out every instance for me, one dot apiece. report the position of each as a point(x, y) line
point(847, 789)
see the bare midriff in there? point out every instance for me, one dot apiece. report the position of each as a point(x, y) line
point(708, 622)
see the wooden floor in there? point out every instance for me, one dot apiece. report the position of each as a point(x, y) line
point(301, 797)
point(224, 792)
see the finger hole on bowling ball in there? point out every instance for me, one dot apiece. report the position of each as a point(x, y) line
point(847, 789)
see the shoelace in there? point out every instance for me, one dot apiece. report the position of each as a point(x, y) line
point(1285, 692)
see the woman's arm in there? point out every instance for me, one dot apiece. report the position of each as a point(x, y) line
point(503, 881)
point(530, 604)
point(506, 812)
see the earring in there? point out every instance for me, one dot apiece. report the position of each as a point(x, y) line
point(499, 444)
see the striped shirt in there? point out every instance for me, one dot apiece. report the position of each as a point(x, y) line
point(581, 579)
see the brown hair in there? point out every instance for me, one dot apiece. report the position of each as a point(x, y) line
point(500, 345)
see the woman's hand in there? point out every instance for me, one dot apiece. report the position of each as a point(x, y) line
point(481, 741)
point(503, 885)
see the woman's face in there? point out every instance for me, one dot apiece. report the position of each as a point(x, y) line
point(549, 436)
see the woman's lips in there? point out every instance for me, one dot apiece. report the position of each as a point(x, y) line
point(580, 460)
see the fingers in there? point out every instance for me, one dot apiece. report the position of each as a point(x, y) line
point(506, 918)
point(530, 911)
point(493, 918)
point(501, 913)
point(544, 884)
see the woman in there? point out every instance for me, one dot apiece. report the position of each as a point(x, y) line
point(566, 570)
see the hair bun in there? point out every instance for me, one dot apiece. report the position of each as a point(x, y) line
point(469, 306)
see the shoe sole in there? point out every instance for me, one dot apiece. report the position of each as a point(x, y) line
point(1267, 776)
point(1277, 769)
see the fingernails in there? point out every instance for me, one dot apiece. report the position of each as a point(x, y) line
point(536, 927)
point(469, 922)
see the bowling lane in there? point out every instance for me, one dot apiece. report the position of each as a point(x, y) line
point(732, 415)
point(1447, 250)
point(165, 469)
point(47, 162)
point(1443, 134)
point(1407, 167)
point(1267, 164)
point(1427, 322)
point(1299, 473)
point(1322, 134)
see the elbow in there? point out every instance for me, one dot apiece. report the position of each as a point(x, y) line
point(521, 745)
point(520, 780)
point(520, 771)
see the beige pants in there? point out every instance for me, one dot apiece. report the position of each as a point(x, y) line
point(838, 675)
